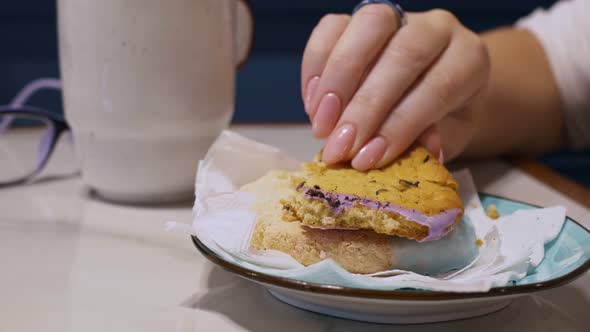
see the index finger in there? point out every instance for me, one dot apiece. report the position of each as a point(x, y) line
point(319, 46)
point(369, 30)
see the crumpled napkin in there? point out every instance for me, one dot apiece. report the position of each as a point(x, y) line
point(513, 245)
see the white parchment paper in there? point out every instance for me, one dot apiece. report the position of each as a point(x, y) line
point(513, 244)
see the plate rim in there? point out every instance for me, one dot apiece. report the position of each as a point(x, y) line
point(405, 295)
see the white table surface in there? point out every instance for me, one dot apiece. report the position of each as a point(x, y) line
point(70, 262)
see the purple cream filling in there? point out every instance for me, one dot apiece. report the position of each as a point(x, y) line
point(437, 224)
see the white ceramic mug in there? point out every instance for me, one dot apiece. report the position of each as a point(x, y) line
point(148, 85)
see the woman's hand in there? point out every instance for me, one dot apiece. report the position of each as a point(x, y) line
point(373, 88)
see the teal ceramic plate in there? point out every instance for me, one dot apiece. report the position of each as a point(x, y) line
point(566, 258)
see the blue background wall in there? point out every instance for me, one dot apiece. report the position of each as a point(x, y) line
point(268, 85)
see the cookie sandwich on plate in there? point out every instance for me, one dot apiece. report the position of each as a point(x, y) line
point(362, 220)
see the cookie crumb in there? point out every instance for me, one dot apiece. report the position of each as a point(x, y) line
point(492, 211)
point(288, 216)
point(479, 242)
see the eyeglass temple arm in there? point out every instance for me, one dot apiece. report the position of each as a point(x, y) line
point(25, 93)
point(32, 87)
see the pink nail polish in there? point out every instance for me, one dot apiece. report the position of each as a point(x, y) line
point(312, 86)
point(326, 116)
point(441, 156)
point(370, 154)
point(339, 144)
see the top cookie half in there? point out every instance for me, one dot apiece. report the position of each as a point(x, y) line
point(414, 197)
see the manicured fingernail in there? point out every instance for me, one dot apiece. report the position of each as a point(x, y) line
point(370, 154)
point(312, 86)
point(441, 156)
point(339, 144)
point(327, 115)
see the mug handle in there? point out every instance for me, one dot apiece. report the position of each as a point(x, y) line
point(244, 32)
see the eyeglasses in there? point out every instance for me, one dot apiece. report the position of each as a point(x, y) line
point(28, 135)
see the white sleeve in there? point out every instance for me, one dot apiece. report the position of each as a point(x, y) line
point(564, 33)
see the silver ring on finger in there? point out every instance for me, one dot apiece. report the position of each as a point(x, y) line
point(394, 5)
